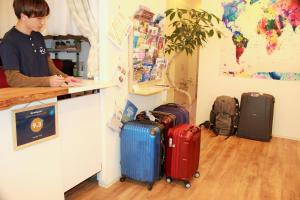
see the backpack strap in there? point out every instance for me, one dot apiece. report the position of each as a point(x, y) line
point(206, 124)
point(235, 119)
point(236, 122)
point(237, 104)
point(212, 120)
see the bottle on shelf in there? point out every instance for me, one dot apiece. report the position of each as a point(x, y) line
point(75, 71)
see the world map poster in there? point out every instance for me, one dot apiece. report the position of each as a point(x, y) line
point(261, 39)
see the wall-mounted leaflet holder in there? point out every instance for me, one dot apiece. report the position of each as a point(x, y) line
point(147, 60)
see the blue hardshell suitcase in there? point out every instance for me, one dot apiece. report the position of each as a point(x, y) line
point(181, 113)
point(140, 151)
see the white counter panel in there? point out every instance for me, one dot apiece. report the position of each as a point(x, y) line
point(90, 85)
point(31, 173)
point(80, 134)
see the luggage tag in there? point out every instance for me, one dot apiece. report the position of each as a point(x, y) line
point(150, 116)
point(171, 143)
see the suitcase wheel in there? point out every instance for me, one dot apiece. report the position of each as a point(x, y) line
point(197, 174)
point(149, 186)
point(122, 179)
point(187, 184)
point(169, 180)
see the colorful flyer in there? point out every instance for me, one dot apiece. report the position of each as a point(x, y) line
point(129, 112)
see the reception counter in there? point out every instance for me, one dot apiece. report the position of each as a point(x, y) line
point(14, 96)
point(47, 169)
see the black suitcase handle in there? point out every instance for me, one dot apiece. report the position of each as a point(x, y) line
point(194, 129)
point(172, 104)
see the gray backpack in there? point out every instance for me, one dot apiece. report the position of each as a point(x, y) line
point(224, 116)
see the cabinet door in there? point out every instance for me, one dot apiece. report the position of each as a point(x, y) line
point(79, 129)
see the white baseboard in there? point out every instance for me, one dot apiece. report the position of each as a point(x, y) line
point(101, 183)
point(287, 137)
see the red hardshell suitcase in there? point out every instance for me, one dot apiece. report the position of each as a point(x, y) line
point(183, 153)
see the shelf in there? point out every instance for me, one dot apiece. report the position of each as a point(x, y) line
point(147, 91)
point(66, 37)
point(64, 50)
point(57, 51)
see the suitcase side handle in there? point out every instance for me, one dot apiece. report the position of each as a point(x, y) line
point(194, 129)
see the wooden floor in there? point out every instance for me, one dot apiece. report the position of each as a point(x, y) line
point(234, 169)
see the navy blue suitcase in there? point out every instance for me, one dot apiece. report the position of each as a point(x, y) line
point(140, 151)
point(181, 113)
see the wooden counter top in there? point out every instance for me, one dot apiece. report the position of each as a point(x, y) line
point(14, 96)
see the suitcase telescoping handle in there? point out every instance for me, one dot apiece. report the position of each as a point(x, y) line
point(172, 104)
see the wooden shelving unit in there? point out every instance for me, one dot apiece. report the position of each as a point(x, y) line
point(66, 48)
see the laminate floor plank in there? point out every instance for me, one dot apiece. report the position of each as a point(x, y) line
point(233, 169)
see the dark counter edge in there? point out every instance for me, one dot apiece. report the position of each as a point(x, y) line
point(14, 96)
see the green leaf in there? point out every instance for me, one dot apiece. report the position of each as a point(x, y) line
point(211, 33)
point(179, 15)
point(172, 16)
point(184, 11)
point(186, 51)
point(203, 34)
point(169, 11)
point(209, 17)
point(175, 23)
point(190, 30)
point(219, 33)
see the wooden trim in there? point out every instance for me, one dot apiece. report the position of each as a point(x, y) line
point(14, 96)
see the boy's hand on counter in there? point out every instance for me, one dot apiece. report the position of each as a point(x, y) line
point(56, 81)
point(71, 84)
point(72, 81)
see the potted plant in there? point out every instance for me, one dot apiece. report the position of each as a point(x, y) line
point(190, 30)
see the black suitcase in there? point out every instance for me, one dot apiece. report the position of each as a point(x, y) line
point(256, 116)
point(181, 113)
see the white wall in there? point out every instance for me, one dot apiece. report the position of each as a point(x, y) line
point(211, 85)
point(110, 58)
point(59, 22)
point(7, 16)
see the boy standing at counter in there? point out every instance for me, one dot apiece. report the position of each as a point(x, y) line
point(24, 56)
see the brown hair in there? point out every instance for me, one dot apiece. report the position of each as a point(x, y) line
point(31, 8)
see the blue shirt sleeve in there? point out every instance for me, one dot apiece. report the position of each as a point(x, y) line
point(9, 56)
